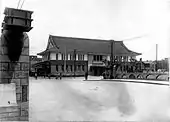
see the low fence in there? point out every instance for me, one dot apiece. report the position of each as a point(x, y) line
point(147, 76)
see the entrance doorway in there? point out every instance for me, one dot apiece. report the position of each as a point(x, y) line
point(97, 71)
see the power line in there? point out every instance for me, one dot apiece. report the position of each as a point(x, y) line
point(135, 38)
point(22, 3)
point(18, 3)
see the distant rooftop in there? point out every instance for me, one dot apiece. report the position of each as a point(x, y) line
point(61, 44)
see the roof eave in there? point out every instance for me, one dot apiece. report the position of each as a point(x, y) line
point(43, 52)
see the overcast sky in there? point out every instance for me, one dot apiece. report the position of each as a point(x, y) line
point(101, 19)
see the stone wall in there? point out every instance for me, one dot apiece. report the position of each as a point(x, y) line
point(19, 72)
point(9, 113)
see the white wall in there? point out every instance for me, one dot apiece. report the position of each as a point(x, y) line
point(108, 57)
point(76, 56)
point(53, 56)
point(68, 57)
point(59, 56)
point(85, 57)
point(90, 59)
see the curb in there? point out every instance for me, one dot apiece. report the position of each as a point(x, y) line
point(131, 81)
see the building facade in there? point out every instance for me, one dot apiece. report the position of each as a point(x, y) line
point(33, 60)
point(75, 56)
point(163, 65)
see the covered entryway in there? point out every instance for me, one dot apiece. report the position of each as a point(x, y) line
point(97, 70)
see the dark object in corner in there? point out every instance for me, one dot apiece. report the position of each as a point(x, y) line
point(14, 42)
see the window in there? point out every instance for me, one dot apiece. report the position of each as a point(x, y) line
point(62, 56)
point(71, 56)
point(57, 68)
point(100, 58)
point(75, 57)
point(66, 57)
point(83, 57)
point(97, 57)
point(80, 57)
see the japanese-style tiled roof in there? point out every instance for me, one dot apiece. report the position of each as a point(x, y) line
point(94, 46)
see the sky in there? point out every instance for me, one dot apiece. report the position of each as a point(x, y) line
point(119, 20)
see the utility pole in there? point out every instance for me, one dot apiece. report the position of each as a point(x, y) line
point(111, 59)
point(74, 63)
point(65, 59)
point(156, 63)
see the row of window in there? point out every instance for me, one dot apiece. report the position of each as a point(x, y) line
point(77, 68)
point(97, 57)
point(82, 57)
point(100, 58)
point(72, 57)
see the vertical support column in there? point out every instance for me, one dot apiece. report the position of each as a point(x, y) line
point(22, 74)
point(5, 67)
point(156, 62)
point(14, 62)
point(74, 63)
point(18, 73)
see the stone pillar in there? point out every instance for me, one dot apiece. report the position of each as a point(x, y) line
point(14, 63)
point(18, 73)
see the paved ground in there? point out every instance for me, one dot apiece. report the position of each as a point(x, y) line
point(75, 99)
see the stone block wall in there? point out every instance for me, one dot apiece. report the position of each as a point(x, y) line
point(19, 72)
point(10, 113)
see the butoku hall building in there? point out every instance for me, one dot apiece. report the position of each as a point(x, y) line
point(77, 55)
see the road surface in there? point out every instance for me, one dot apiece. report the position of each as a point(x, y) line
point(75, 99)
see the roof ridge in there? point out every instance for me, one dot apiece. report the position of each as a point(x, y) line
point(97, 45)
point(88, 39)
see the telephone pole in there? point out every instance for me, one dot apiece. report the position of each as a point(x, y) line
point(74, 63)
point(65, 60)
point(156, 63)
point(112, 59)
